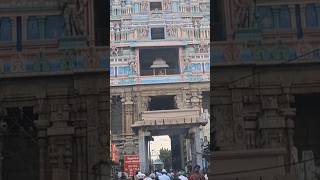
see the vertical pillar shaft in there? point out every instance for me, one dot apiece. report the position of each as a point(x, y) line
point(182, 155)
point(176, 152)
point(196, 155)
point(42, 21)
point(181, 60)
point(42, 161)
point(147, 156)
point(137, 60)
point(42, 125)
point(303, 15)
point(14, 28)
point(129, 118)
point(293, 18)
point(123, 118)
point(24, 23)
point(142, 150)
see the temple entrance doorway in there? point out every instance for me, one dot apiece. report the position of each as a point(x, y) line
point(306, 133)
point(185, 146)
point(20, 148)
point(160, 153)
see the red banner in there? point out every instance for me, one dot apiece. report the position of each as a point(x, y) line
point(131, 164)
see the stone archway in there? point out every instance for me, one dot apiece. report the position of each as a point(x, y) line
point(180, 125)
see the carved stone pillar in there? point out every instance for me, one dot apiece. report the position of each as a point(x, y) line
point(42, 135)
point(293, 18)
point(14, 28)
point(288, 113)
point(103, 166)
point(41, 22)
point(24, 23)
point(177, 156)
point(271, 123)
point(60, 154)
point(181, 60)
point(194, 99)
point(60, 139)
point(179, 101)
point(303, 15)
point(237, 111)
point(145, 103)
point(42, 124)
point(196, 147)
point(142, 150)
point(128, 112)
point(276, 12)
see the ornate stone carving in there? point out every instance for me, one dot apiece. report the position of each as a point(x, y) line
point(60, 152)
point(144, 31)
point(114, 50)
point(18, 65)
point(194, 99)
point(232, 52)
point(179, 101)
point(145, 103)
point(92, 57)
point(126, 99)
point(144, 5)
point(133, 65)
point(166, 4)
point(74, 13)
point(269, 102)
point(303, 48)
point(41, 65)
point(244, 13)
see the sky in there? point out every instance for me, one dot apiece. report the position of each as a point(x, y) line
point(157, 144)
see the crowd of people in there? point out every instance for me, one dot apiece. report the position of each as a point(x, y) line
point(163, 174)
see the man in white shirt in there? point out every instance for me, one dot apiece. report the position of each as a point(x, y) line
point(181, 176)
point(164, 175)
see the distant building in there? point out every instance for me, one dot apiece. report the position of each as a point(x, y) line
point(159, 75)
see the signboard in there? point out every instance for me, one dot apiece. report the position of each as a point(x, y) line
point(131, 164)
point(114, 151)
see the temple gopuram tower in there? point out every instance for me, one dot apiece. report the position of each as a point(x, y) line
point(54, 93)
point(159, 76)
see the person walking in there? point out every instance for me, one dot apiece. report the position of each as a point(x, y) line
point(175, 175)
point(152, 176)
point(123, 176)
point(182, 175)
point(140, 176)
point(164, 175)
point(147, 177)
point(196, 175)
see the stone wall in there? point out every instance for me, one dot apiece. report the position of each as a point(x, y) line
point(256, 115)
point(72, 124)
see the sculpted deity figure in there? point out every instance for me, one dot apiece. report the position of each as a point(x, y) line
point(73, 12)
point(133, 66)
point(166, 4)
point(144, 5)
point(18, 63)
point(144, 32)
point(245, 13)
